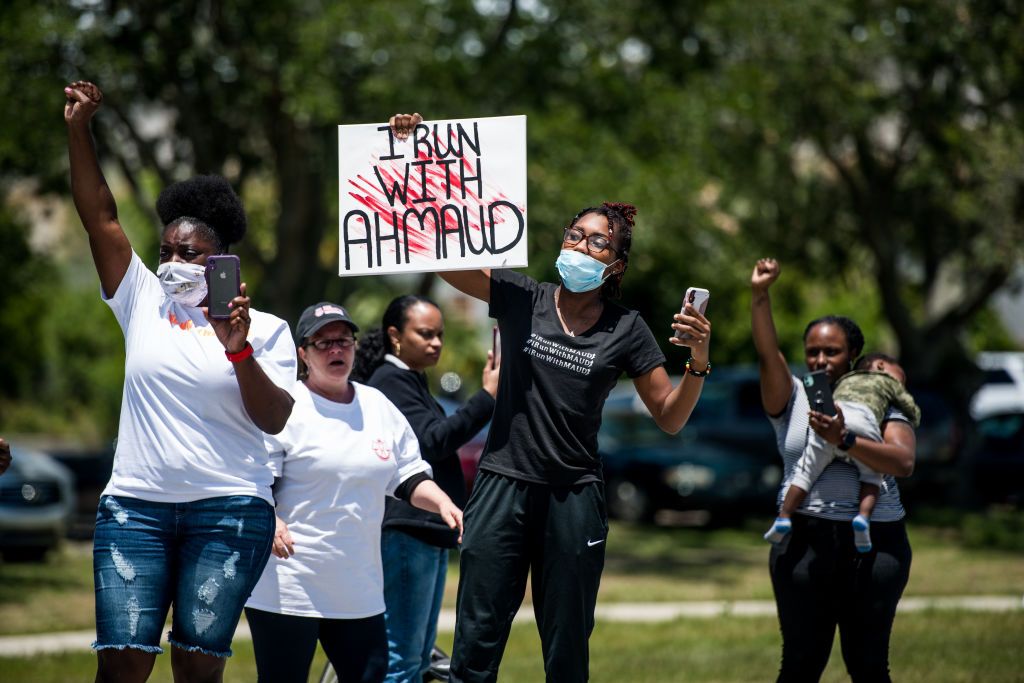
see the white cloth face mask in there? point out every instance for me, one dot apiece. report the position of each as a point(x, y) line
point(183, 282)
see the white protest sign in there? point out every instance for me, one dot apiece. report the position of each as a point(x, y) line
point(452, 196)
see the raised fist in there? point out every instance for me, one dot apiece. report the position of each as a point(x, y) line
point(766, 271)
point(83, 99)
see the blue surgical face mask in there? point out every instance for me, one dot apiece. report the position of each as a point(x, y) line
point(580, 272)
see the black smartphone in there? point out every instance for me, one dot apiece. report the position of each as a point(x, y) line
point(819, 392)
point(223, 277)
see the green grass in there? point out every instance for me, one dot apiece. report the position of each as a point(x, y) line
point(949, 647)
point(55, 596)
point(643, 564)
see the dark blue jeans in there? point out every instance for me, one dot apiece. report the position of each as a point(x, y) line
point(821, 582)
point(204, 556)
point(414, 574)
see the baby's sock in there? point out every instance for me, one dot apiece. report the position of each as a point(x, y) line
point(780, 528)
point(862, 533)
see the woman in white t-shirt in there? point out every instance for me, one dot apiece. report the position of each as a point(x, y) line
point(344, 449)
point(187, 516)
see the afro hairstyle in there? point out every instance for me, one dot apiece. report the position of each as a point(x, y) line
point(208, 199)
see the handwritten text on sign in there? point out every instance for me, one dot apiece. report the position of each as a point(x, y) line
point(450, 197)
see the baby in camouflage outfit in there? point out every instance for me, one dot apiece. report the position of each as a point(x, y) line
point(865, 395)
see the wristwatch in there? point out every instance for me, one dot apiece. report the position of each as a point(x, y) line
point(849, 438)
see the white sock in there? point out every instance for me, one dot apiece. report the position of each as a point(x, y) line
point(862, 533)
point(780, 528)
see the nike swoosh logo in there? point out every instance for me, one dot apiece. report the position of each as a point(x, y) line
point(591, 544)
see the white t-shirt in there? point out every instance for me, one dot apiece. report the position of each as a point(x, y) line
point(337, 462)
point(184, 434)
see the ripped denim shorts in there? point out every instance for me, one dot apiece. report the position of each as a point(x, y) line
point(205, 557)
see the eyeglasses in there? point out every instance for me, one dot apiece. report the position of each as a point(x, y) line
point(325, 344)
point(595, 242)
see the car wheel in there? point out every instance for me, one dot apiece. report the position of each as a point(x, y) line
point(628, 502)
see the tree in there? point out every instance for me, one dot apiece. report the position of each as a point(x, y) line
point(872, 146)
point(884, 137)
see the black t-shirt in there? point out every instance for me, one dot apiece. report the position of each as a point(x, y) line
point(553, 385)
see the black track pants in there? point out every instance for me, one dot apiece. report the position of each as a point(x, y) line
point(558, 534)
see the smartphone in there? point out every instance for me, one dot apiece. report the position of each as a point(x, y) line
point(223, 276)
point(698, 298)
point(495, 346)
point(819, 392)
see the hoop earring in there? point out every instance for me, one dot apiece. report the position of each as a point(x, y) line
point(398, 349)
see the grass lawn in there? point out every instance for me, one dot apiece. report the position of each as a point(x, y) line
point(939, 646)
point(643, 564)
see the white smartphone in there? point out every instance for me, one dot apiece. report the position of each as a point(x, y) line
point(698, 298)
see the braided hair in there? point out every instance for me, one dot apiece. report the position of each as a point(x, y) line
point(376, 343)
point(207, 202)
point(620, 219)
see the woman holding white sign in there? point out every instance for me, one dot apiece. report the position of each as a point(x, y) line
point(538, 502)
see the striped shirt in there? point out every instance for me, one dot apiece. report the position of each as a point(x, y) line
point(836, 493)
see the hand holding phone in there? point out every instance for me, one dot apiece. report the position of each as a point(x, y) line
point(698, 298)
point(223, 277)
point(819, 392)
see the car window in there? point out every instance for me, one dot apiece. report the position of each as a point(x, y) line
point(997, 376)
point(620, 427)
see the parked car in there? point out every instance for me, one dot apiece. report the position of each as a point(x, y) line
point(90, 467)
point(1003, 388)
point(470, 452)
point(36, 503)
point(998, 460)
point(725, 461)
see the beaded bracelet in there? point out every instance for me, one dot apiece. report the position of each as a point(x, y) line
point(697, 373)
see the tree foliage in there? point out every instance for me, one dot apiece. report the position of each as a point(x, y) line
point(872, 146)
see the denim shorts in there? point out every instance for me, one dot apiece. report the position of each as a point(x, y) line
point(205, 557)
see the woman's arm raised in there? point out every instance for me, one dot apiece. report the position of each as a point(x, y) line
point(111, 251)
point(776, 382)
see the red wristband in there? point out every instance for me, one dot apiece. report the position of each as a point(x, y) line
point(241, 355)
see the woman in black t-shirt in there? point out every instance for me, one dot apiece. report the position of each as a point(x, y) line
point(538, 503)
